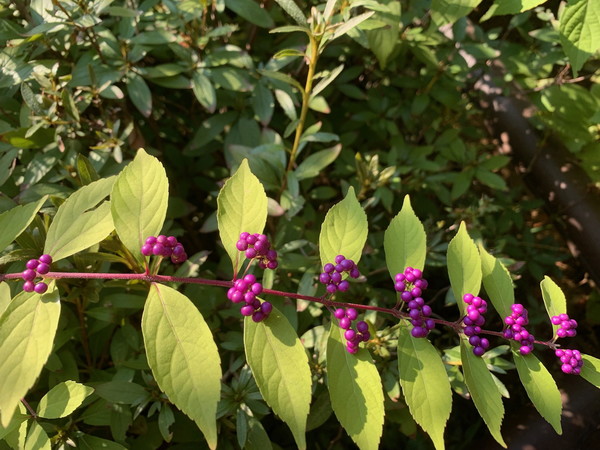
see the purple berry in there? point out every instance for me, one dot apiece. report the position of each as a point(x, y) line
point(328, 268)
point(157, 249)
point(345, 323)
point(45, 259)
point(324, 278)
point(244, 235)
point(362, 326)
point(32, 264)
point(339, 313)
point(349, 334)
point(150, 240)
point(247, 310)
point(354, 273)
point(336, 277)
point(347, 264)
point(28, 286)
point(147, 249)
point(344, 286)
point(258, 316)
point(40, 287)
point(351, 313)
point(251, 253)
point(43, 269)
point(28, 274)
point(272, 265)
point(266, 308)
point(339, 258)
point(331, 288)
point(478, 351)
point(241, 245)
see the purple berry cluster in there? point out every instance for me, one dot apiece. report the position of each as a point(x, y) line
point(411, 285)
point(258, 246)
point(165, 246)
point(473, 321)
point(516, 328)
point(333, 273)
point(571, 361)
point(35, 267)
point(245, 291)
point(353, 336)
point(567, 327)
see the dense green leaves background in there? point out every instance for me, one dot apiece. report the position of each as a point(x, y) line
point(393, 167)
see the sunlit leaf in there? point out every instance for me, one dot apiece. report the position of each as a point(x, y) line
point(14, 221)
point(464, 266)
point(497, 283)
point(280, 367)
point(63, 399)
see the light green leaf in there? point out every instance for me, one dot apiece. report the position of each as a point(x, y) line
point(140, 94)
point(27, 330)
point(349, 25)
point(483, 389)
point(554, 299)
point(76, 226)
point(326, 81)
point(63, 399)
point(464, 266)
point(14, 221)
point(183, 356)
point(280, 367)
point(312, 166)
point(541, 388)
point(580, 31)
point(18, 420)
point(4, 297)
point(37, 439)
point(290, 7)
point(251, 11)
point(404, 241)
point(590, 371)
point(449, 11)
point(425, 384)
point(497, 283)
point(502, 7)
point(139, 201)
point(241, 206)
point(204, 91)
point(355, 390)
point(344, 230)
point(88, 442)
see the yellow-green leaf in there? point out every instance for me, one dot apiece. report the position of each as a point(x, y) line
point(355, 390)
point(183, 356)
point(139, 201)
point(497, 282)
point(63, 399)
point(344, 230)
point(27, 330)
point(280, 367)
point(464, 266)
point(15, 220)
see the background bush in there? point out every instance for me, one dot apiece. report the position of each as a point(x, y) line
point(203, 85)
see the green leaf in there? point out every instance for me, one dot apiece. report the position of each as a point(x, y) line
point(4, 297)
point(326, 81)
point(590, 371)
point(76, 226)
point(349, 25)
point(283, 78)
point(554, 299)
point(139, 201)
point(449, 11)
point(257, 439)
point(280, 367)
point(503, 7)
point(382, 41)
point(69, 104)
point(121, 392)
point(464, 266)
point(497, 283)
point(37, 439)
point(312, 166)
point(404, 241)
point(241, 206)
point(27, 330)
point(290, 7)
point(490, 179)
point(344, 230)
point(155, 37)
point(183, 356)
point(580, 31)
point(14, 221)
point(425, 384)
point(263, 103)
point(63, 399)
point(87, 441)
point(355, 390)
point(251, 11)
point(483, 389)
point(140, 94)
point(85, 170)
point(204, 91)
point(541, 388)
